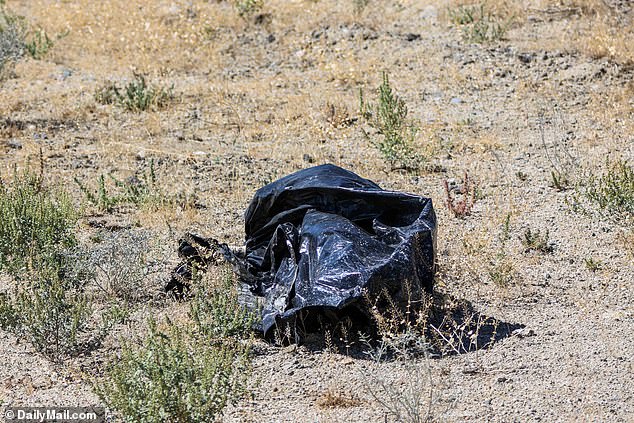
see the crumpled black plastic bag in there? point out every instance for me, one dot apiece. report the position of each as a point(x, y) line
point(324, 238)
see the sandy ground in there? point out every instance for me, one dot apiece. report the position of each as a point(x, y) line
point(252, 102)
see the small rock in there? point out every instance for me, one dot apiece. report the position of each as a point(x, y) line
point(525, 57)
point(291, 349)
point(15, 144)
point(308, 158)
point(412, 37)
point(270, 38)
point(456, 100)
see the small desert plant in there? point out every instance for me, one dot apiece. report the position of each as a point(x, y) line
point(592, 265)
point(121, 264)
point(359, 6)
point(176, 375)
point(136, 95)
point(11, 38)
point(389, 118)
point(502, 272)
point(462, 15)
point(402, 331)
point(215, 309)
point(461, 206)
point(143, 191)
point(247, 8)
point(336, 398)
point(478, 24)
point(37, 225)
point(411, 398)
point(46, 306)
point(612, 192)
point(562, 160)
point(49, 312)
point(559, 180)
point(39, 44)
point(337, 115)
point(536, 240)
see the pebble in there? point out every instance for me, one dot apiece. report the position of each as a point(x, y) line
point(15, 144)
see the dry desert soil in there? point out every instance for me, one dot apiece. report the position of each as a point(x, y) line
point(541, 90)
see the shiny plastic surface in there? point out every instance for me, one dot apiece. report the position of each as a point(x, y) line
point(322, 237)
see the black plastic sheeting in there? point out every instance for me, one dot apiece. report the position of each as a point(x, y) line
point(324, 239)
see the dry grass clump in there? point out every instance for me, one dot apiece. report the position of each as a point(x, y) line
point(597, 28)
point(188, 370)
point(611, 38)
point(601, 29)
point(336, 398)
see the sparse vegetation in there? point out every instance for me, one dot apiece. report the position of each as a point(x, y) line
point(592, 265)
point(402, 337)
point(479, 25)
point(412, 398)
point(120, 260)
point(140, 192)
point(187, 371)
point(215, 309)
point(247, 8)
point(49, 312)
point(612, 192)
point(536, 240)
point(11, 38)
point(136, 96)
point(461, 198)
point(389, 118)
point(174, 376)
point(37, 225)
point(502, 272)
point(559, 180)
point(37, 245)
point(39, 44)
point(334, 398)
point(359, 6)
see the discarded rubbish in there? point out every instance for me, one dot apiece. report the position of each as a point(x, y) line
point(321, 240)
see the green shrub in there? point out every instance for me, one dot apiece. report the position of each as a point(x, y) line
point(478, 24)
point(175, 376)
point(143, 191)
point(536, 240)
point(48, 313)
point(135, 96)
point(359, 6)
point(612, 192)
point(389, 118)
point(36, 238)
point(247, 8)
point(37, 225)
point(39, 44)
point(216, 311)
point(11, 38)
point(185, 372)
point(47, 304)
